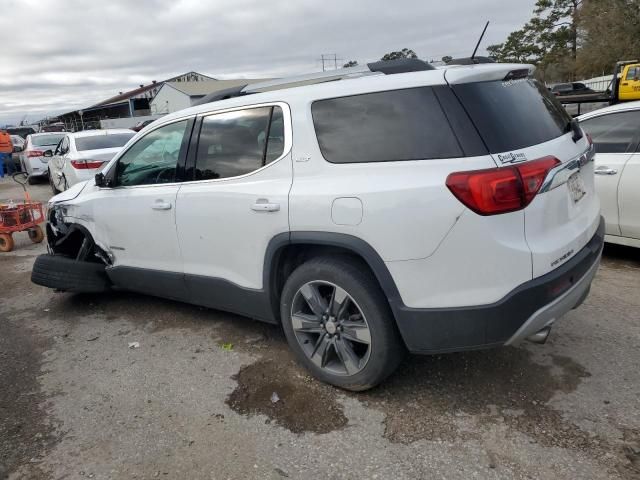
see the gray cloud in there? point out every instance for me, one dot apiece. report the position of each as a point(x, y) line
point(63, 54)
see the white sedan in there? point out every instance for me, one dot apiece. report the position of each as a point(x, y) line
point(615, 132)
point(79, 156)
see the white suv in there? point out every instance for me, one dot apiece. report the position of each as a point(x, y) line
point(398, 208)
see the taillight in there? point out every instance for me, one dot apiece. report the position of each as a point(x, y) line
point(86, 164)
point(501, 190)
point(589, 139)
point(35, 153)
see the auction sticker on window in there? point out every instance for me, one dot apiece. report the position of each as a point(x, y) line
point(576, 187)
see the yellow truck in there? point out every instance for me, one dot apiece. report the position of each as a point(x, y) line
point(628, 85)
point(624, 87)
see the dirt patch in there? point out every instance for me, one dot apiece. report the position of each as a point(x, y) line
point(429, 394)
point(303, 404)
point(25, 433)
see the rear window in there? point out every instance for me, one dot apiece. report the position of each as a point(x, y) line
point(512, 115)
point(97, 142)
point(46, 140)
point(384, 126)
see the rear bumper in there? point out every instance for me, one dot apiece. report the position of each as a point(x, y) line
point(523, 312)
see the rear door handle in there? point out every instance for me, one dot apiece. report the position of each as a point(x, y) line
point(605, 171)
point(160, 205)
point(263, 205)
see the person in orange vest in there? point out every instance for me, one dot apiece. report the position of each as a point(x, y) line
point(6, 149)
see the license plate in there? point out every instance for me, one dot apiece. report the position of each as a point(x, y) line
point(576, 187)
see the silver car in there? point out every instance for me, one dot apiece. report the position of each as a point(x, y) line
point(32, 159)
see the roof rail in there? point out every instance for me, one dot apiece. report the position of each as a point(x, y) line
point(390, 67)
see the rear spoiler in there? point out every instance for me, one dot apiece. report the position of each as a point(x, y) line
point(487, 72)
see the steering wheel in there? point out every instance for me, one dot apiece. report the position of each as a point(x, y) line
point(163, 173)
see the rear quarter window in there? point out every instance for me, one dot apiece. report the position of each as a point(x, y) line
point(513, 115)
point(387, 126)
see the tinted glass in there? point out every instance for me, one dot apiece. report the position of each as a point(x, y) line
point(386, 126)
point(153, 158)
point(512, 115)
point(98, 142)
point(613, 133)
point(235, 143)
point(46, 140)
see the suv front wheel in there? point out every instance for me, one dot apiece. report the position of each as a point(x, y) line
point(339, 325)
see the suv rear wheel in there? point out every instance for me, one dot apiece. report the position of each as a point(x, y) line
point(339, 325)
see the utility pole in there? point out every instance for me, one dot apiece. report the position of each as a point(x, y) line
point(325, 58)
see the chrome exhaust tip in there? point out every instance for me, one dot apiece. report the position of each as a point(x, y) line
point(541, 336)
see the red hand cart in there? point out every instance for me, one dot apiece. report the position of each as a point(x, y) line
point(20, 217)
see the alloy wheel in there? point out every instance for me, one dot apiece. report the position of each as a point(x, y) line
point(331, 328)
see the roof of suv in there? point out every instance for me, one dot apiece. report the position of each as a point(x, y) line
point(357, 84)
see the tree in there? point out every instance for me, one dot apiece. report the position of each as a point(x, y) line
point(447, 58)
point(608, 32)
point(404, 53)
point(549, 39)
point(350, 63)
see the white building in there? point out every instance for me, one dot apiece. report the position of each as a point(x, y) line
point(174, 96)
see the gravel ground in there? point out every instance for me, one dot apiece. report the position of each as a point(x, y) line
point(77, 402)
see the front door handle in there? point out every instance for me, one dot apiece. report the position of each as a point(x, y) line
point(160, 205)
point(605, 171)
point(263, 205)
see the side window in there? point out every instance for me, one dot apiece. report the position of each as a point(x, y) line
point(58, 148)
point(154, 158)
point(237, 143)
point(386, 126)
point(633, 73)
point(613, 133)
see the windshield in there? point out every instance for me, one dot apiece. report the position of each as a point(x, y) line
point(46, 140)
point(512, 115)
point(98, 142)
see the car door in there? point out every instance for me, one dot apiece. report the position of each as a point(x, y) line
point(57, 164)
point(614, 136)
point(630, 83)
point(138, 215)
point(629, 197)
point(236, 204)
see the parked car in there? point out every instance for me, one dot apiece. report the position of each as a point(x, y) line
point(54, 127)
point(410, 208)
point(575, 88)
point(18, 143)
point(21, 131)
point(80, 155)
point(615, 132)
point(32, 159)
point(140, 125)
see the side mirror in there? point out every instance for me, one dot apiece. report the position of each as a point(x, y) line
point(47, 153)
point(102, 181)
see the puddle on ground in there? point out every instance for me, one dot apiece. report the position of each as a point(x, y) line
point(303, 405)
point(26, 434)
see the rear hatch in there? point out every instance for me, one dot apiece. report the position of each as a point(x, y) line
point(521, 122)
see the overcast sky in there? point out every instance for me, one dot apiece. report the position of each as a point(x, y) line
point(59, 55)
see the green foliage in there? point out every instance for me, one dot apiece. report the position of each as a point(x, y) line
point(549, 39)
point(609, 31)
point(350, 63)
point(404, 53)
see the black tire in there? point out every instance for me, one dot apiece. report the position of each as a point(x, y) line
point(31, 180)
point(69, 275)
point(386, 349)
